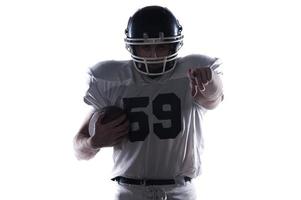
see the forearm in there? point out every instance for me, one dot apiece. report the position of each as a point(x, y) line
point(83, 148)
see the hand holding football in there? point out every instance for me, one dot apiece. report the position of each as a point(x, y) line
point(108, 127)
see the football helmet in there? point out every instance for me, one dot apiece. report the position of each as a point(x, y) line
point(154, 25)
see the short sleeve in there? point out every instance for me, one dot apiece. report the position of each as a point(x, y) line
point(95, 95)
point(107, 85)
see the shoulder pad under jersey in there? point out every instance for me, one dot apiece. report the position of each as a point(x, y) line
point(111, 70)
point(197, 60)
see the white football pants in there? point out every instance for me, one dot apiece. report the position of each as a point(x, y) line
point(165, 192)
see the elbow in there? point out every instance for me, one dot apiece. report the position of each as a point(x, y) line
point(83, 156)
point(81, 151)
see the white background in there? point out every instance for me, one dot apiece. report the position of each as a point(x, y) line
point(252, 140)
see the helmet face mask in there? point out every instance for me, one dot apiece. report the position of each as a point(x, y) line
point(157, 32)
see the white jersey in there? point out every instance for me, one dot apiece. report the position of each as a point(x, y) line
point(165, 138)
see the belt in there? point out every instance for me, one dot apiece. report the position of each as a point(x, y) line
point(146, 182)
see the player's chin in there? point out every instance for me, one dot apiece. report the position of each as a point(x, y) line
point(155, 68)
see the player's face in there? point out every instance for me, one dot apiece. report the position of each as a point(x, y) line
point(153, 51)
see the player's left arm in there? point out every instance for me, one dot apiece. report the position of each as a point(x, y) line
point(206, 87)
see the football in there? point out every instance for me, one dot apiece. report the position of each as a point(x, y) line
point(111, 113)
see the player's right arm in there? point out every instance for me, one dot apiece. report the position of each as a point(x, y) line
point(106, 135)
point(84, 150)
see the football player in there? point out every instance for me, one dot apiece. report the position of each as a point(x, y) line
point(158, 142)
